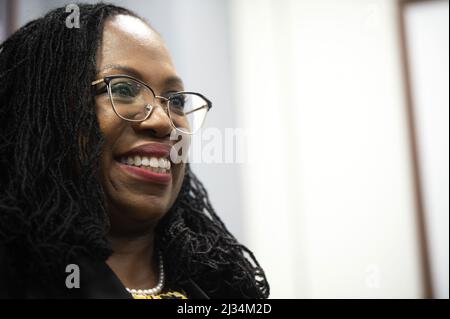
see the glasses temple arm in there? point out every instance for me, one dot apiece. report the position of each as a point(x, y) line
point(199, 108)
point(97, 82)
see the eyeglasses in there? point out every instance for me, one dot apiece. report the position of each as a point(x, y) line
point(134, 101)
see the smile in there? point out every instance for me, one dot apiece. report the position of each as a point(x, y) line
point(159, 165)
point(148, 162)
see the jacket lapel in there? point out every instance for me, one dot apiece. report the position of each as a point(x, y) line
point(98, 281)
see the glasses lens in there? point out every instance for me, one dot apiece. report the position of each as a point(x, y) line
point(130, 98)
point(187, 111)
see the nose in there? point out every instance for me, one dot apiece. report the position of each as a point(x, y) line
point(157, 124)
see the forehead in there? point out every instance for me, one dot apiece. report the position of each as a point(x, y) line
point(130, 42)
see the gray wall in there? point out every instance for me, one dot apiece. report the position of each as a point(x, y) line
point(197, 34)
point(3, 20)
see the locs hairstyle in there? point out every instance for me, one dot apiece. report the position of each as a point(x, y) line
point(51, 201)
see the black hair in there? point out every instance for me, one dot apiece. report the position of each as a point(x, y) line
point(51, 201)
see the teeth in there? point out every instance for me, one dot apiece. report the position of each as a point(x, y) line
point(137, 160)
point(162, 163)
point(154, 162)
point(145, 161)
point(158, 165)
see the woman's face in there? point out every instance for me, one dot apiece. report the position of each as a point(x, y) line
point(136, 197)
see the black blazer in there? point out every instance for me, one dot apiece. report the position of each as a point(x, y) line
point(97, 281)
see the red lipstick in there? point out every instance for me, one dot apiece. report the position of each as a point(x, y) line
point(149, 150)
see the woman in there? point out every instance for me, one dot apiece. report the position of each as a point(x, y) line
point(90, 189)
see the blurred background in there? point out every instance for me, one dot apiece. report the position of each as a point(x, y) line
point(347, 103)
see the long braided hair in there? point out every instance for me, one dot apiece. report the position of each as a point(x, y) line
point(51, 201)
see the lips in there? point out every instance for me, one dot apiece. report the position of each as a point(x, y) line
point(150, 149)
point(148, 162)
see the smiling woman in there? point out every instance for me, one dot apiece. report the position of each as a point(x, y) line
point(89, 178)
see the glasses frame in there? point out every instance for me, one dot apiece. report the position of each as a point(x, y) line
point(109, 78)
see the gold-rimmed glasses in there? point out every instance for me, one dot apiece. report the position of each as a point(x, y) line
point(133, 100)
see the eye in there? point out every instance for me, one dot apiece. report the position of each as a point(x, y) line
point(178, 102)
point(125, 90)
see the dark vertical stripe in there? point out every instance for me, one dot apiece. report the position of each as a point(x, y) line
point(11, 17)
point(418, 193)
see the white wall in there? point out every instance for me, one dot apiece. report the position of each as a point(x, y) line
point(427, 35)
point(329, 202)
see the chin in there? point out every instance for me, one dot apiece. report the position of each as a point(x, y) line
point(150, 213)
point(127, 216)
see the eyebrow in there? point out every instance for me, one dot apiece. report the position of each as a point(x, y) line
point(173, 81)
point(117, 67)
point(169, 81)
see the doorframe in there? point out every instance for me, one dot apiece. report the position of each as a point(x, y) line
point(414, 151)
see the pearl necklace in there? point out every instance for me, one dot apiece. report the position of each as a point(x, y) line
point(155, 290)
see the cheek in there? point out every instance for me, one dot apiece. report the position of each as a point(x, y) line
point(180, 121)
point(108, 121)
point(110, 127)
point(176, 185)
point(179, 181)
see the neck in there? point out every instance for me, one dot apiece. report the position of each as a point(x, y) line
point(134, 260)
